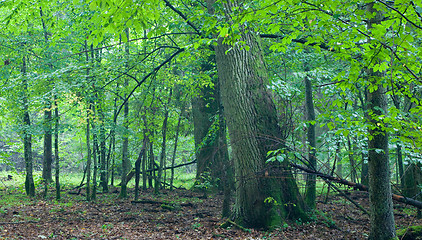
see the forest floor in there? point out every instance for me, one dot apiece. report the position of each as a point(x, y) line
point(179, 214)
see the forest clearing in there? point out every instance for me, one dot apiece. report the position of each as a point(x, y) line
point(231, 119)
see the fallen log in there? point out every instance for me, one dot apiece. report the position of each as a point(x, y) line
point(402, 199)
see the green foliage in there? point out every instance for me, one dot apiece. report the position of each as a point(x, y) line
point(205, 182)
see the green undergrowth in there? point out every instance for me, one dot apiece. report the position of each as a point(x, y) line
point(410, 233)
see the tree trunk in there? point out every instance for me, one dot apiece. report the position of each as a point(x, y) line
point(400, 164)
point(27, 137)
point(227, 176)
point(125, 146)
point(176, 138)
point(88, 135)
point(364, 178)
point(56, 147)
point(95, 159)
point(261, 200)
point(88, 155)
point(48, 149)
point(48, 153)
point(204, 111)
point(151, 158)
point(144, 159)
point(351, 149)
point(102, 148)
point(138, 167)
point(381, 205)
point(310, 193)
point(163, 145)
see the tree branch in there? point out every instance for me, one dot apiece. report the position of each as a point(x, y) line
point(302, 41)
point(400, 13)
point(146, 77)
point(168, 4)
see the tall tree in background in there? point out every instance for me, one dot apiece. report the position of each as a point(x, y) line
point(56, 148)
point(48, 146)
point(27, 136)
point(209, 128)
point(125, 150)
point(310, 193)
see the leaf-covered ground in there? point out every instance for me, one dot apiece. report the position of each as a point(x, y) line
point(180, 214)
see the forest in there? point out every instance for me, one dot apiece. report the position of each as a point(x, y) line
point(216, 119)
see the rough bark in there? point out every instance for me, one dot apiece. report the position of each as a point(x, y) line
point(381, 205)
point(261, 201)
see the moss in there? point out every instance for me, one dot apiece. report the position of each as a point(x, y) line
point(410, 233)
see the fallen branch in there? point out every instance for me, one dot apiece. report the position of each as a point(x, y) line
point(229, 222)
point(402, 199)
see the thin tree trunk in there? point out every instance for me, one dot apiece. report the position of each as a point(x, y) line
point(48, 149)
point(27, 137)
point(151, 163)
point(88, 156)
point(364, 178)
point(176, 138)
point(336, 158)
point(226, 163)
point(102, 150)
point(138, 168)
point(88, 135)
point(163, 145)
point(144, 159)
point(111, 148)
point(94, 157)
point(125, 146)
point(56, 148)
point(400, 164)
point(310, 193)
point(351, 147)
